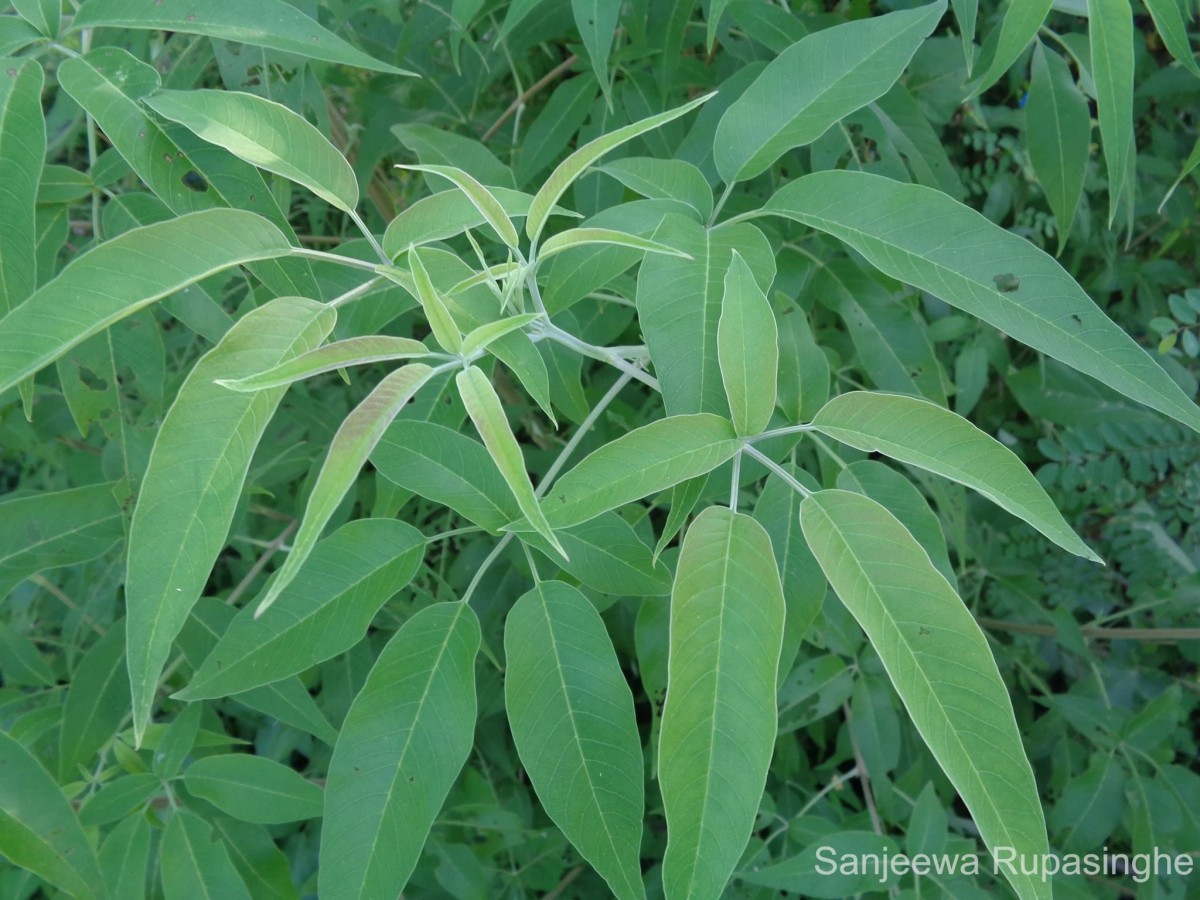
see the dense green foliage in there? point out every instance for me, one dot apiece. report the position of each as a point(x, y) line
point(509, 448)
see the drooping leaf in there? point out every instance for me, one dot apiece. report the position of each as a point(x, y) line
point(1058, 131)
point(924, 434)
point(572, 719)
point(643, 462)
point(357, 351)
point(922, 631)
point(748, 349)
point(1169, 21)
point(265, 134)
point(719, 722)
point(126, 274)
point(679, 307)
point(38, 829)
point(197, 468)
point(254, 788)
point(481, 198)
point(928, 240)
point(811, 85)
point(575, 164)
point(194, 863)
point(406, 737)
point(97, 702)
point(1110, 33)
point(348, 451)
point(266, 23)
point(483, 406)
point(323, 612)
point(48, 530)
point(1020, 26)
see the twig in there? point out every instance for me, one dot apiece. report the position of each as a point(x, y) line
point(1092, 631)
point(528, 94)
point(272, 548)
point(54, 589)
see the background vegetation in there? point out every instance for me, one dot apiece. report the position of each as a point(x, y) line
point(1086, 155)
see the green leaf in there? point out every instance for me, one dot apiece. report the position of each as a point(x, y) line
point(607, 555)
point(819, 80)
point(573, 722)
point(348, 451)
point(803, 366)
point(718, 725)
point(482, 337)
point(643, 462)
point(577, 163)
point(679, 307)
point(1057, 131)
point(254, 789)
point(97, 702)
point(924, 434)
point(22, 153)
point(48, 530)
point(448, 468)
point(441, 322)
point(481, 198)
point(38, 828)
point(667, 179)
point(126, 274)
point(748, 349)
point(263, 866)
point(1091, 807)
point(194, 863)
point(1169, 21)
point(196, 472)
point(274, 24)
point(16, 33)
point(44, 15)
point(124, 856)
point(324, 612)
point(555, 127)
point(1110, 34)
point(922, 237)
point(117, 799)
point(966, 12)
point(404, 741)
point(683, 499)
point(579, 237)
point(940, 664)
point(265, 134)
point(712, 19)
point(357, 351)
point(597, 22)
point(483, 406)
point(1020, 26)
point(437, 146)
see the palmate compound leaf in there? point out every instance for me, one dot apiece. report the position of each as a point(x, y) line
point(924, 238)
point(940, 664)
point(817, 81)
point(265, 134)
point(123, 275)
point(195, 476)
point(323, 612)
point(265, 23)
point(720, 717)
point(923, 434)
point(406, 737)
point(348, 451)
point(573, 722)
point(38, 828)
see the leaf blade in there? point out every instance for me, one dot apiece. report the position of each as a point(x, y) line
point(748, 349)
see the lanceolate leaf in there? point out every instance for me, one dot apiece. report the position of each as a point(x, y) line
point(1110, 31)
point(38, 829)
point(254, 788)
point(940, 663)
point(597, 22)
point(668, 179)
point(351, 446)
point(719, 721)
point(572, 720)
point(1169, 21)
point(607, 555)
point(922, 237)
point(195, 476)
point(124, 275)
point(265, 23)
point(814, 83)
point(483, 406)
point(748, 349)
point(323, 612)
point(1058, 131)
point(481, 337)
point(481, 198)
point(578, 237)
point(441, 322)
point(357, 351)
point(924, 434)
point(575, 164)
point(1020, 26)
point(265, 134)
point(195, 863)
point(22, 153)
point(645, 461)
point(96, 703)
point(403, 743)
